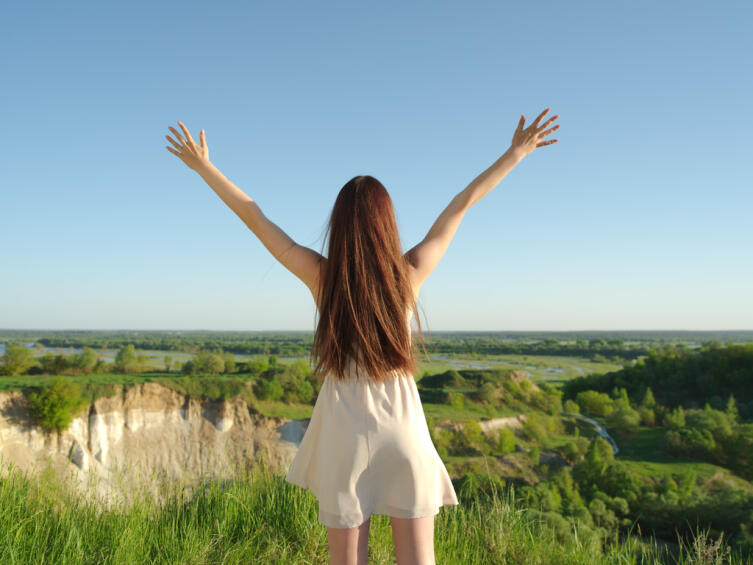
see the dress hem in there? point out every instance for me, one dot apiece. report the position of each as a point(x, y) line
point(334, 520)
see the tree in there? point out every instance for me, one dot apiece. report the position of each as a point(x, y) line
point(86, 360)
point(597, 403)
point(125, 360)
point(229, 360)
point(599, 456)
point(209, 363)
point(602, 516)
point(622, 397)
point(54, 406)
point(624, 420)
point(271, 390)
point(731, 409)
point(257, 365)
point(17, 359)
point(648, 416)
point(305, 391)
point(570, 451)
point(572, 407)
point(648, 399)
point(676, 418)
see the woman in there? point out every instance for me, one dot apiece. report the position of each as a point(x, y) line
point(367, 449)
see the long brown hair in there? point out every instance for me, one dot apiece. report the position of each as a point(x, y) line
point(364, 289)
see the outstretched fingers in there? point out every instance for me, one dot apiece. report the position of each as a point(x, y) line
point(549, 121)
point(535, 123)
point(546, 142)
point(185, 130)
point(550, 130)
point(175, 143)
point(177, 134)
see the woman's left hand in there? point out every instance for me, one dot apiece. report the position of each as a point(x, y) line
point(194, 156)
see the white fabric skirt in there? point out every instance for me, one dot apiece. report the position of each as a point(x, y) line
point(367, 450)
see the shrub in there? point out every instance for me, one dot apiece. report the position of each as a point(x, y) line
point(624, 421)
point(472, 430)
point(596, 403)
point(487, 393)
point(305, 391)
point(674, 419)
point(455, 399)
point(648, 416)
point(690, 442)
point(461, 444)
point(505, 441)
point(270, 390)
point(534, 427)
point(572, 407)
point(54, 406)
point(570, 451)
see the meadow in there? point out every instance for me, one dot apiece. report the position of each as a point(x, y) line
point(259, 518)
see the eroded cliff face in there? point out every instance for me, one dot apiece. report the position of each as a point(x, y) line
point(148, 432)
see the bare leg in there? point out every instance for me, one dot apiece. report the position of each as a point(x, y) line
point(349, 546)
point(414, 540)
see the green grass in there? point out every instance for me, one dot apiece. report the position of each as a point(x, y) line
point(259, 518)
point(467, 412)
point(643, 454)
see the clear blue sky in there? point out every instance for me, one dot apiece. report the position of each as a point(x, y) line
point(638, 218)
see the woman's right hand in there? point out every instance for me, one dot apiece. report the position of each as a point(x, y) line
point(524, 141)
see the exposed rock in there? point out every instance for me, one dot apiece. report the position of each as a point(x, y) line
point(145, 432)
point(515, 422)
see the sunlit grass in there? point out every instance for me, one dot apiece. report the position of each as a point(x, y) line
point(259, 518)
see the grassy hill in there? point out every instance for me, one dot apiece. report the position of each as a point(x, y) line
point(262, 519)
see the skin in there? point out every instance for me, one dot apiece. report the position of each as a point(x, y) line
point(414, 537)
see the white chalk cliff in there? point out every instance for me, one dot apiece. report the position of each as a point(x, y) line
point(125, 442)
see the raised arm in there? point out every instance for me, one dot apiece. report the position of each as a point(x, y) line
point(426, 254)
point(301, 261)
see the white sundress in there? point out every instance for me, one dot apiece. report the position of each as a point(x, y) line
point(367, 450)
